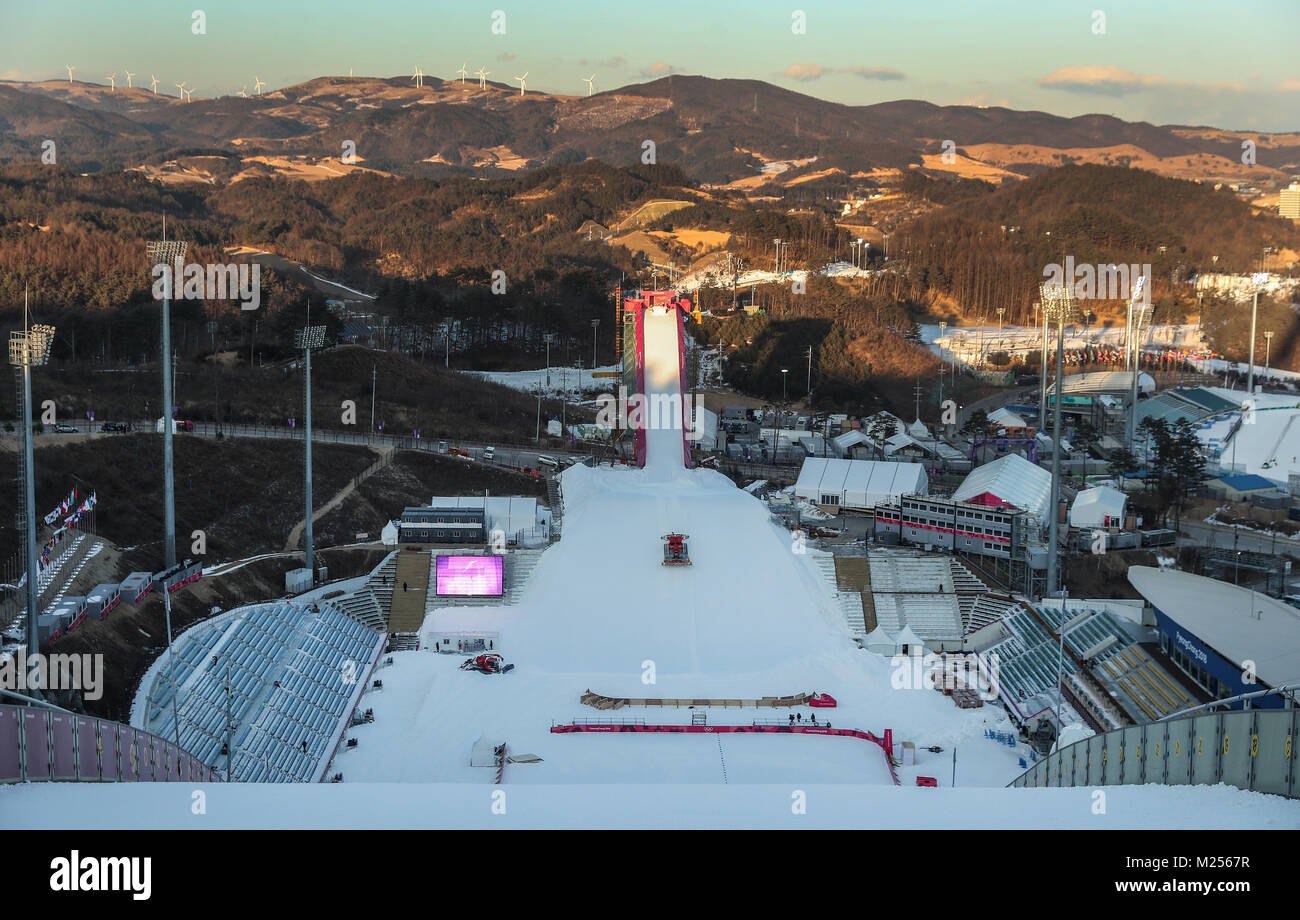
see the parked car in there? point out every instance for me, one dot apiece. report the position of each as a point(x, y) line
point(549, 462)
point(489, 453)
point(185, 425)
point(115, 426)
point(65, 429)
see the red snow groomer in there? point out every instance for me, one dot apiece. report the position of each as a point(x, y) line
point(486, 664)
point(675, 552)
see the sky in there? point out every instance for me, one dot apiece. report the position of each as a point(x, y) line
point(1187, 62)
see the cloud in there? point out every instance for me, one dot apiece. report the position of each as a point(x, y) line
point(658, 69)
point(1292, 86)
point(803, 72)
point(1107, 80)
point(875, 73)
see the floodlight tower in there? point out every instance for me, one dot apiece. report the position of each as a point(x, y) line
point(169, 254)
point(27, 349)
point(1058, 307)
point(307, 338)
point(1139, 312)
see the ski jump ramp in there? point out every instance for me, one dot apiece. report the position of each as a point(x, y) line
point(654, 378)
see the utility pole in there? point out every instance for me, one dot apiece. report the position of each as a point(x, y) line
point(808, 384)
point(594, 324)
point(538, 436)
point(374, 379)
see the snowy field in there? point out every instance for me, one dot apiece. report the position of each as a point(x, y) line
point(562, 379)
point(57, 806)
point(751, 617)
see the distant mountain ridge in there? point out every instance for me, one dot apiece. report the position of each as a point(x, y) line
point(719, 131)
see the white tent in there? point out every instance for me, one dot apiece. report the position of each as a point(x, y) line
point(858, 483)
point(1102, 506)
point(388, 536)
point(1006, 418)
point(880, 642)
point(918, 430)
point(910, 639)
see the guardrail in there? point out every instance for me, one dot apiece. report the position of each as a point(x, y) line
point(1251, 749)
point(44, 745)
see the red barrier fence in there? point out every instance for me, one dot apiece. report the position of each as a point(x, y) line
point(737, 729)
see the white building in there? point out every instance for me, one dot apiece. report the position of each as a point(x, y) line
point(858, 484)
point(1099, 507)
point(1288, 204)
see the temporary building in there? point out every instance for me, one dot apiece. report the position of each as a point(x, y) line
point(1010, 480)
point(1102, 506)
point(880, 642)
point(858, 483)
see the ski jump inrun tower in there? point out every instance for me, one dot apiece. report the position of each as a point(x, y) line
point(635, 309)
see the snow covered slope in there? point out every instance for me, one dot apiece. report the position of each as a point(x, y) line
point(751, 617)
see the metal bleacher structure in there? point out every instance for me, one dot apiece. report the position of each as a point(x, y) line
point(940, 596)
point(295, 673)
point(1109, 678)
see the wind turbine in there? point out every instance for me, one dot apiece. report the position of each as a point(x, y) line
point(154, 83)
point(180, 86)
point(258, 84)
point(462, 71)
point(129, 75)
point(188, 93)
point(112, 82)
point(521, 82)
point(482, 77)
point(418, 77)
point(70, 69)
point(243, 92)
point(589, 80)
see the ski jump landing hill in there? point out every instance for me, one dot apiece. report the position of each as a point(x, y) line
point(652, 389)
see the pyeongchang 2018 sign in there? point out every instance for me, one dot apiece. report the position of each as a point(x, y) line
point(1192, 647)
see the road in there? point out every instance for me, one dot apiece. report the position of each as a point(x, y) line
point(1199, 533)
point(517, 456)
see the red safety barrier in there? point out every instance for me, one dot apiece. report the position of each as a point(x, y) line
point(796, 729)
point(928, 781)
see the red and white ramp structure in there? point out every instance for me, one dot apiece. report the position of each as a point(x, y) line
point(654, 371)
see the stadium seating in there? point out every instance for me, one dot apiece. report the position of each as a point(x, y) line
point(292, 671)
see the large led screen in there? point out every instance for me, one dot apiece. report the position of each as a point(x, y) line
point(469, 576)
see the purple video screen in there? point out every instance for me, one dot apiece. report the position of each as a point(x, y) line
point(469, 576)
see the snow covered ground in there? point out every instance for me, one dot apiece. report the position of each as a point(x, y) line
point(751, 617)
point(561, 379)
point(92, 806)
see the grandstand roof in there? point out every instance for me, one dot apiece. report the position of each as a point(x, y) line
point(1105, 382)
point(1014, 480)
point(1238, 623)
point(1006, 417)
point(1171, 406)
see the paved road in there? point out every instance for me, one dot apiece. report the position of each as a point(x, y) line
point(1201, 534)
point(505, 455)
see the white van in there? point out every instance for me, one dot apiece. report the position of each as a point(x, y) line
point(489, 453)
point(548, 462)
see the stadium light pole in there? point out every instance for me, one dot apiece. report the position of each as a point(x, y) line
point(1058, 305)
point(308, 338)
point(27, 349)
point(165, 253)
point(1268, 351)
point(1138, 313)
point(594, 324)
